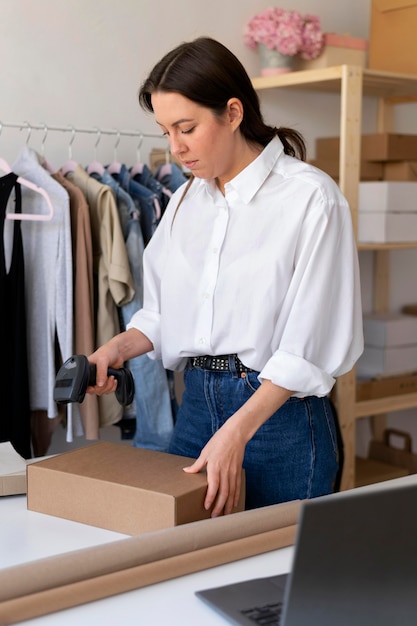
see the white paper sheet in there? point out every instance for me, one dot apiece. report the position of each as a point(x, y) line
point(10, 461)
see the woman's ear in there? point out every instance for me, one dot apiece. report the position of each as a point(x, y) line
point(234, 112)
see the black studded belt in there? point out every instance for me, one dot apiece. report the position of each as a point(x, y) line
point(222, 363)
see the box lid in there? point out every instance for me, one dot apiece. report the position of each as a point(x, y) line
point(120, 464)
point(393, 5)
point(345, 41)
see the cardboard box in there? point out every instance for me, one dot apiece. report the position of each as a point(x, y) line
point(117, 487)
point(387, 330)
point(13, 484)
point(369, 171)
point(388, 196)
point(338, 50)
point(368, 472)
point(385, 386)
point(374, 147)
point(385, 361)
point(13, 470)
point(387, 227)
point(392, 41)
point(402, 170)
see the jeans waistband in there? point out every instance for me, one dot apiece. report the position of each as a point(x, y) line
point(220, 363)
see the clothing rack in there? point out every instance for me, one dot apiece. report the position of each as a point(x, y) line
point(118, 133)
point(74, 130)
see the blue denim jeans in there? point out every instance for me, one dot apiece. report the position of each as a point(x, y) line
point(294, 455)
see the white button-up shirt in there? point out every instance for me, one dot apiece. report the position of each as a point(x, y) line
point(268, 271)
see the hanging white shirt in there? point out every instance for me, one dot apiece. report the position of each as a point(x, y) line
point(268, 271)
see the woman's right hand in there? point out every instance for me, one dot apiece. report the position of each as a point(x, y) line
point(115, 353)
point(103, 358)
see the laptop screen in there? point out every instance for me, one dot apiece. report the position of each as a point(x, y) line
point(355, 564)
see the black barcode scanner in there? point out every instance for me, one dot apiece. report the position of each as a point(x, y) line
point(76, 374)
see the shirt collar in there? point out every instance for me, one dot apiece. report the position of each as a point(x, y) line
point(250, 179)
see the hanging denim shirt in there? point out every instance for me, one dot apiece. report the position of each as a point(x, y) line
point(145, 200)
point(143, 175)
point(171, 176)
point(154, 421)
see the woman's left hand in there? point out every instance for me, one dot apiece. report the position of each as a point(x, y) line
point(222, 457)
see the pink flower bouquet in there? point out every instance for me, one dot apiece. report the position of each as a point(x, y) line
point(286, 31)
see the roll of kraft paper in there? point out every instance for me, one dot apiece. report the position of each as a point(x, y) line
point(56, 583)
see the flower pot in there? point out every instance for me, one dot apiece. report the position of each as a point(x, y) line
point(273, 62)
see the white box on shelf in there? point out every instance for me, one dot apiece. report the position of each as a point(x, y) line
point(386, 361)
point(387, 227)
point(382, 196)
point(387, 330)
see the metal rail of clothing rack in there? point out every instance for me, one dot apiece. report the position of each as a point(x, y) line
point(28, 126)
point(74, 130)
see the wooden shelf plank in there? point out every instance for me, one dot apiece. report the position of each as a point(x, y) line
point(366, 408)
point(399, 87)
point(387, 246)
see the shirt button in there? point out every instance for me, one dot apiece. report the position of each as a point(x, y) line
point(206, 296)
point(215, 250)
point(202, 341)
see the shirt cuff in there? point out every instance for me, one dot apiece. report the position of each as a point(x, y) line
point(296, 374)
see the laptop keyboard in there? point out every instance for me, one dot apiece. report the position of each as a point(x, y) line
point(267, 615)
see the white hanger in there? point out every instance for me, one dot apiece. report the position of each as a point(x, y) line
point(27, 183)
point(115, 167)
point(43, 160)
point(138, 167)
point(95, 166)
point(70, 165)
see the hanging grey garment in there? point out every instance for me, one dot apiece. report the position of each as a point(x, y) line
point(49, 287)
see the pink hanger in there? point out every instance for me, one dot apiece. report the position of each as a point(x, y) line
point(138, 167)
point(95, 166)
point(27, 183)
point(70, 165)
point(115, 167)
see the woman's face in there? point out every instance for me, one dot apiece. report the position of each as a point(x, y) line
point(207, 145)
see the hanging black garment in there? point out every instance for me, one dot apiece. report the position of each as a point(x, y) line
point(14, 382)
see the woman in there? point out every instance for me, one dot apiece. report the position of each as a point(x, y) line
point(251, 287)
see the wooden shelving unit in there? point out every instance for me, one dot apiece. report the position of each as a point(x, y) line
point(353, 83)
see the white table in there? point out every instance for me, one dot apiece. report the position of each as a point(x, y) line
point(26, 536)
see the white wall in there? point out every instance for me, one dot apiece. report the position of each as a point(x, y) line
point(80, 62)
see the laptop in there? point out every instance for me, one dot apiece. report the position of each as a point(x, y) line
point(355, 564)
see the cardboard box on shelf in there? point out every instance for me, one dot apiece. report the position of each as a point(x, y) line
point(369, 471)
point(369, 171)
point(401, 170)
point(386, 227)
point(388, 196)
point(392, 40)
point(374, 147)
point(383, 386)
point(338, 50)
point(121, 488)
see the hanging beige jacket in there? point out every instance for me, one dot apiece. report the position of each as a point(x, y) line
point(113, 281)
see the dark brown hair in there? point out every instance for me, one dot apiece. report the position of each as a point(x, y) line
point(206, 72)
